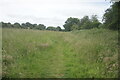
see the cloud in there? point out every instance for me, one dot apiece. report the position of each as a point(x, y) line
point(49, 12)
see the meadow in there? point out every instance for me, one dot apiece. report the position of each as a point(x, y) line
point(54, 54)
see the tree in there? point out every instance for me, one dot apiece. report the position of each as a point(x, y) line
point(95, 22)
point(51, 28)
point(23, 25)
point(94, 18)
point(4, 25)
point(35, 26)
point(110, 18)
point(58, 28)
point(74, 27)
point(29, 25)
point(70, 22)
point(85, 23)
point(41, 27)
point(9, 25)
point(16, 25)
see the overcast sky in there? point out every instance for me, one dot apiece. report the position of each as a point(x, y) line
point(49, 12)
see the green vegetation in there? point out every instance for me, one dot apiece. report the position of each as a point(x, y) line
point(52, 54)
point(110, 21)
point(111, 17)
point(86, 48)
point(84, 23)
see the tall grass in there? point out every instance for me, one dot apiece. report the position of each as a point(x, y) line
point(50, 54)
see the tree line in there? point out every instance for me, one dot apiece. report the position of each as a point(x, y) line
point(28, 25)
point(84, 23)
point(110, 21)
point(111, 18)
point(70, 24)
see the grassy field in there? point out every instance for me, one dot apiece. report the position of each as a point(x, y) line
point(50, 54)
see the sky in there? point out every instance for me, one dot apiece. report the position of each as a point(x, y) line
point(50, 12)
